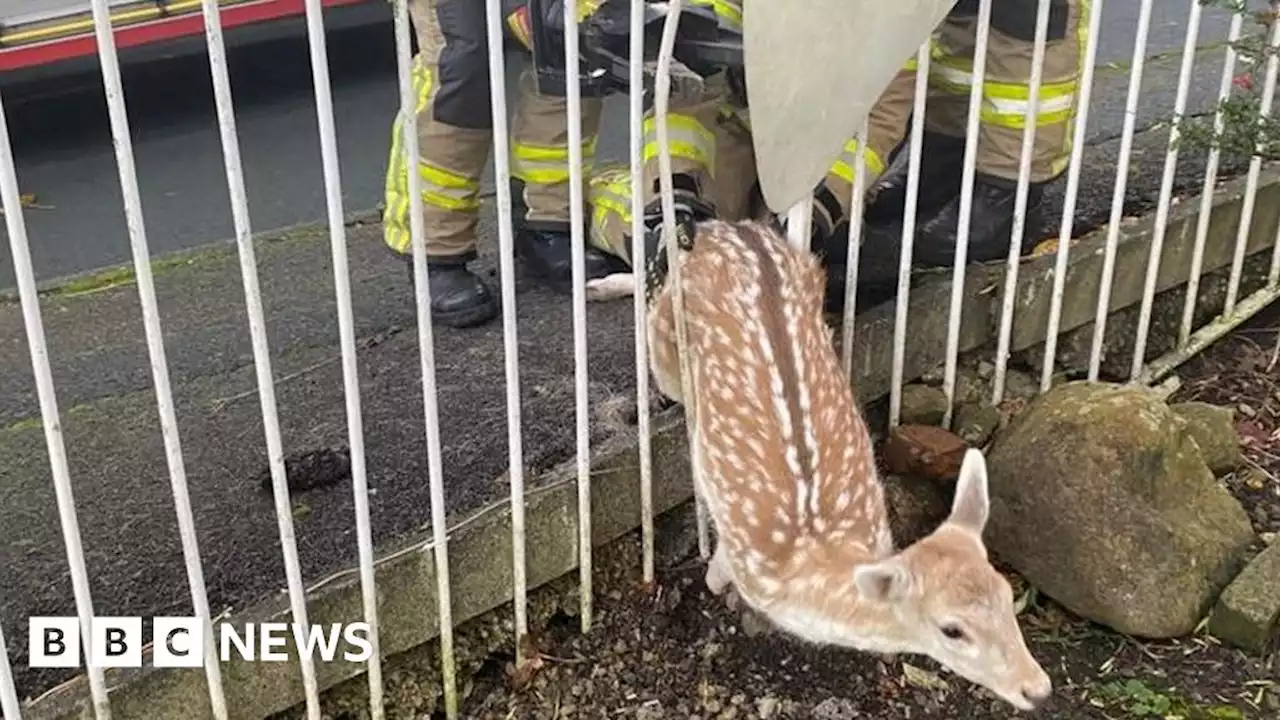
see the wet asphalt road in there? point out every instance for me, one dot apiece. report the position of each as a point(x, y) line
point(63, 146)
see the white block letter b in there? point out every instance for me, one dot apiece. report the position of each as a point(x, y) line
point(116, 642)
point(53, 642)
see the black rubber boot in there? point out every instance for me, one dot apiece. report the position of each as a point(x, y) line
point(690, 209)
point(548, 255)
point(940, 162)
point(990, 225)
point(459, 298)
point(990, 228)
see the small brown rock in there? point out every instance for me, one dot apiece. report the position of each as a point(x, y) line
point(924, 451)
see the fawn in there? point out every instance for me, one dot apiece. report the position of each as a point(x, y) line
point(784, 462)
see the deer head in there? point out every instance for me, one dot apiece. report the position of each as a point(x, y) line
point(942, 598)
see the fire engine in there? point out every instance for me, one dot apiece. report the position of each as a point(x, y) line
point(36, 33)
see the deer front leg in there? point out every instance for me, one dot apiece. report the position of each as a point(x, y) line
point(718, 577)
point(664, 353)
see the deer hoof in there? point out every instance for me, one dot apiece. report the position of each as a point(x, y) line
point(717, 579)
point(610, 287)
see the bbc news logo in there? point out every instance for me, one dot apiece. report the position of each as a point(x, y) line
point(55, 642)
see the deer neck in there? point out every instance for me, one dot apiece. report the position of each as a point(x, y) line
point(822, 604)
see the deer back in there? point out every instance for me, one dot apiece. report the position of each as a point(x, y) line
point(785, 456)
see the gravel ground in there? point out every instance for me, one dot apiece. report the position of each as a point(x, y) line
point(675, 651)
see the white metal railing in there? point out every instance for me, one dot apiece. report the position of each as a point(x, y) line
point(1189, 342)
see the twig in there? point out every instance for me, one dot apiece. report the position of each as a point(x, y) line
point(1275, 354)
point(1258, 467)
point(220, 404)
point(366, 343)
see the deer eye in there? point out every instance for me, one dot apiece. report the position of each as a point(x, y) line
point(953, 632)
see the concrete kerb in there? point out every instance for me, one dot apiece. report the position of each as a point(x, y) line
point(480, 543)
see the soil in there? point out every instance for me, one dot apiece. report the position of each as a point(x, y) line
point(673, 650)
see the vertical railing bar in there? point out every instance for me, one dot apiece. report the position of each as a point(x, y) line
point(1166, 191)
point(1273, 273)
point(29, 298)
point(511, 349)
point(237, 194)
point(1251, 184)
point(1121, 184)
point(577, 231)
point(688, 389)
point(967, 177)
point(426, 354)
point(1038, 52)
point(155, 342)
point(856, 203)
point(261, 352)
point(800, 223)
point(1210, 182)
point(1075, 164)
point(9, 707)
point(346, 330)
point(638, 263)
point(908, 232)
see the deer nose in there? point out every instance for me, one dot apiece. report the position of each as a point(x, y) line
point(1036, 693)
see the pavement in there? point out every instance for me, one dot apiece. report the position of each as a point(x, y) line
point(103, 377)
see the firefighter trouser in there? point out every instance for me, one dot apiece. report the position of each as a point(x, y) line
point(696, 141)
point(455, 133)
point(1005, 93)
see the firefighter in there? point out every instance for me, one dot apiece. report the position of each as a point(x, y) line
point(1004, 113)
point(451, 86)
point(735, 195)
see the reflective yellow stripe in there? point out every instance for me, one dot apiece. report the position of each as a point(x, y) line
point(541, 165)
point(586, 8)
point(729, 12)
point(448, 190)
point(688, 140)
point(1083, 10)
point(610, 197)
point(956, 74)
point(518, 23)
point(440, 188)
point(1006, 104)
point(844, 166)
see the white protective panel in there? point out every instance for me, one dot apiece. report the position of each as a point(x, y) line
point(814, 69)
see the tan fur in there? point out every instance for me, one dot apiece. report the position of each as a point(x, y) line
point(785, 464)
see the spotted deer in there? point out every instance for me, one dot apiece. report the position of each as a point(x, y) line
point(785, 465)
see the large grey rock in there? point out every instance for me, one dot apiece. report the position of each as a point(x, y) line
point(1101, 499)
point(1249, 608)
point(1214, 430)
point(923, 405)
point(975, 423)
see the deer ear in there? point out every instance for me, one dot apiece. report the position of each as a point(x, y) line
point(887, 581)
point(970, 507)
